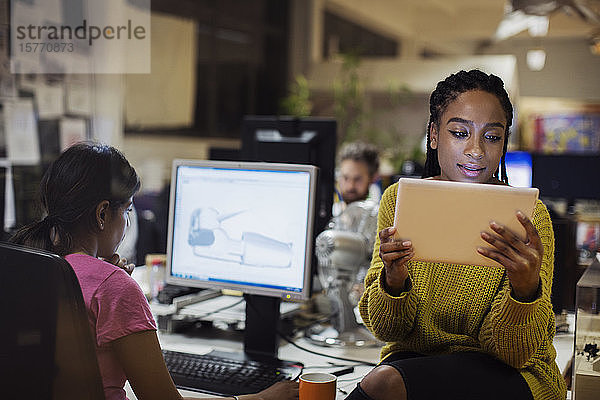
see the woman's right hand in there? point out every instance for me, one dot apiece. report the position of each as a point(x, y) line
point(120, 262)
point(283, 390)
point(394, 254)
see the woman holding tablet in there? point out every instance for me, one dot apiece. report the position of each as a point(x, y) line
point(464, 332)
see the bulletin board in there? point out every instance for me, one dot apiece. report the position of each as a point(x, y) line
point(566, 133)
point(42, 116)
point(556, 126)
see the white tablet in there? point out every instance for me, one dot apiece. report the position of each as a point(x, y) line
point(444, 219)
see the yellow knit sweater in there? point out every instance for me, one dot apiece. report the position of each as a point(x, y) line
point(451, 308)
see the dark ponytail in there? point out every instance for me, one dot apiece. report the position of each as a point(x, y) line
point(37, 234)
point(447, 91)
point(83, 175)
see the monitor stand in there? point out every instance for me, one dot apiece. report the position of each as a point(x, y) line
point(261, 343)
point(262, 319)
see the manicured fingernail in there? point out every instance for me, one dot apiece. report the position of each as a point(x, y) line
point(494, 224)
point(520, 215)
point(406, 243)
point(485, 235)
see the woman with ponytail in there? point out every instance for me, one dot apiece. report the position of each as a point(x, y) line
point(86, 196)
point(87, 184)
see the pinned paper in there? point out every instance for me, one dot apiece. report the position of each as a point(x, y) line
point(22, 142)
point(71, 131)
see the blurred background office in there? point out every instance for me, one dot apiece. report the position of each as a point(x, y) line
point(369, 65)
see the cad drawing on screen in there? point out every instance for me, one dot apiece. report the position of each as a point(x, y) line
point(210, 239)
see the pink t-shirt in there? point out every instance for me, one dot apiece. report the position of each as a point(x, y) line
point(116, 307)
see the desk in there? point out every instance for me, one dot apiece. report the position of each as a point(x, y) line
point(213, 338)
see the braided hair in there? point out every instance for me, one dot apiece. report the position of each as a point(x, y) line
point(446, 92)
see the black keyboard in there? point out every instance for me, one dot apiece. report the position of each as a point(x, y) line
point(227, 374)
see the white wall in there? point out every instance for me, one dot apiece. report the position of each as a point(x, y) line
point(173, 61)
point(571, 70)
point(419, 76)
point(152, 155)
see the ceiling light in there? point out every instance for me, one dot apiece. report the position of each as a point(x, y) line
point(538, 26)
point(517, 21)
point(536, 59)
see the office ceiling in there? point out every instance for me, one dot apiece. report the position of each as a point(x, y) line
point(467, 26)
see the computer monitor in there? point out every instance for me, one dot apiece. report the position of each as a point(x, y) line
point(224, 154)
point(518, 168)
point(567, 176)
point(244, 226)
point(286, 139)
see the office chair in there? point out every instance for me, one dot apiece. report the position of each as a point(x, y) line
point(47, 348)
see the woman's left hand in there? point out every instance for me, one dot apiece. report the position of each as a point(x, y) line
point(521, 259)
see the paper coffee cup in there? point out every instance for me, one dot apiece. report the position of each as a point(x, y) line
point(317, 386)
